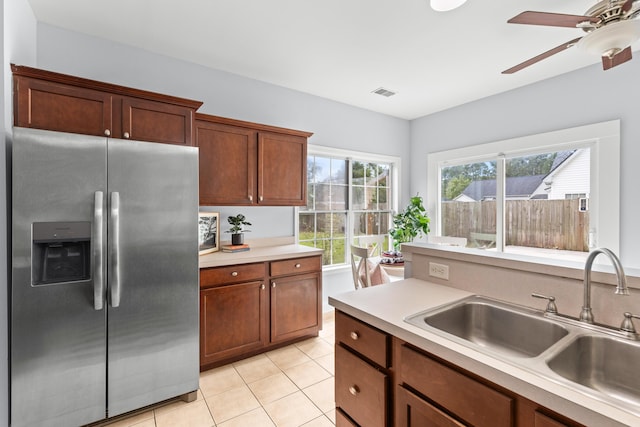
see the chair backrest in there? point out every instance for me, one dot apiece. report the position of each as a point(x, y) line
point(361, 275)
point(374, 244)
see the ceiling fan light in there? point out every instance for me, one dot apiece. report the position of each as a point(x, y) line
point(611, 39)
point(446, 5)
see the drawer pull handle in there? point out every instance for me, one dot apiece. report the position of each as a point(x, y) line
point(298, 265)
point(354, 390)
point(234, 273)
point(354, 335)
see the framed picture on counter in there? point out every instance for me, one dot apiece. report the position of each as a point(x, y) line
point(208, 232)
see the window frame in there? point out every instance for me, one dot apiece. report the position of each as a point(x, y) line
point(353, 155)
point(604, 201)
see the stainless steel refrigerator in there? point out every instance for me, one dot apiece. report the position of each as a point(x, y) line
point(104, 277)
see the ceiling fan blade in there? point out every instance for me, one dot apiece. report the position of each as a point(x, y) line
point(551, 19)
point(620, 58)
point(542, 56)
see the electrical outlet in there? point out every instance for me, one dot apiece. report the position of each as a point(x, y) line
point(440, 271)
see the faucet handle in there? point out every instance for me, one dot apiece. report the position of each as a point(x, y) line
point(551, 305)
point(627, 323)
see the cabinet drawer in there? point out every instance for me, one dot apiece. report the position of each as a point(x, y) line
point(296, 266)
point(361, 389)
point(342, 420)
point(411, 410)
point(472, 401)
point(231, 274)
point(364, 339)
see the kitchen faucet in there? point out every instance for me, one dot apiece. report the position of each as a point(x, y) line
point(586, 314)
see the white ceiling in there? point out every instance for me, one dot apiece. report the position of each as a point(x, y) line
point(343, 49)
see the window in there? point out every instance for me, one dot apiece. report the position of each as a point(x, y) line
point(539, 195)
point(350, 200)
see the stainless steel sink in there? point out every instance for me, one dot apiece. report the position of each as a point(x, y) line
point(606, 365)
point(510, 330)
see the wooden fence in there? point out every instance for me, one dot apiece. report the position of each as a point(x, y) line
point(552, 224)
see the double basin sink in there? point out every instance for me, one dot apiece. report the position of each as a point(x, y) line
point(582, 357)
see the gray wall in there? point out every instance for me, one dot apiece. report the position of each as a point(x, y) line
point(588, 95)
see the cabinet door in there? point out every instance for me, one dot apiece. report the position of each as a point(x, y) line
point(227, 164)
point(295, 306)
point(413, 411)
point(146, 120)
point(361, 390)
point(233, 320)
point(542, 420)
point(282, 170)
point(51, 106)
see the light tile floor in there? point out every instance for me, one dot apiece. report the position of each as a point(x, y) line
point(289, 387)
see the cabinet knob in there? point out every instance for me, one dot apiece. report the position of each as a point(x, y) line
point(261, 198)
point(262, 286)
point(354, 335)
point(273, 284)
point(234, 273)
point(250, 198)
point(126, 135)
point(107, 132)
point(354, 390)
point(297, 265)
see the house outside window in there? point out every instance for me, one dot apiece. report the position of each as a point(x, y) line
point(539, 197)
point(350, 201)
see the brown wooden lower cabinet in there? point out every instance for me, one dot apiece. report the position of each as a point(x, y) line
point(247, 309)
point(415, 388)
point(232, 320)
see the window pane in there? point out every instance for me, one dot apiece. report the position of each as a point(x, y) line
point(358, 197)
point(358, 173)
point(339, 195)
point(541, 207)
point(306, 227)
point(383, 196)
point(322, 197)
point(321, 171)
point(468, 203)
point(339, 171)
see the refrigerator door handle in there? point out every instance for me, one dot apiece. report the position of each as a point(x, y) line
point(114, 286)
point(98, 275)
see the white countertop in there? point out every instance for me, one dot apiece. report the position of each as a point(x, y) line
point(386, 306)
point(257, 254)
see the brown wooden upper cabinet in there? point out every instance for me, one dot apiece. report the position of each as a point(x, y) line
point(59, 102)
point(243, 163)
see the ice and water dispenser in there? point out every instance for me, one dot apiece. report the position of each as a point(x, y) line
point(61, 252)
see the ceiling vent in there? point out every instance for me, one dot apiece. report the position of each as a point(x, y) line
point(384, 92)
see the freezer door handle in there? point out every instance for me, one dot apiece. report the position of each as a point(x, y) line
point(114, 286)
point(98, 276)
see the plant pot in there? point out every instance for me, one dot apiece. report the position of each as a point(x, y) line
point(237, 239)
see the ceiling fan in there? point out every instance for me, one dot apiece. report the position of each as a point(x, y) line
point(610, 25)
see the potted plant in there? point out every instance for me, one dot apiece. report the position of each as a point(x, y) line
point(411, 222)
point(237, 230)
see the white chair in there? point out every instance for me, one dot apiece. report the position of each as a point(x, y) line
point(366, 272)
point(359, 257)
